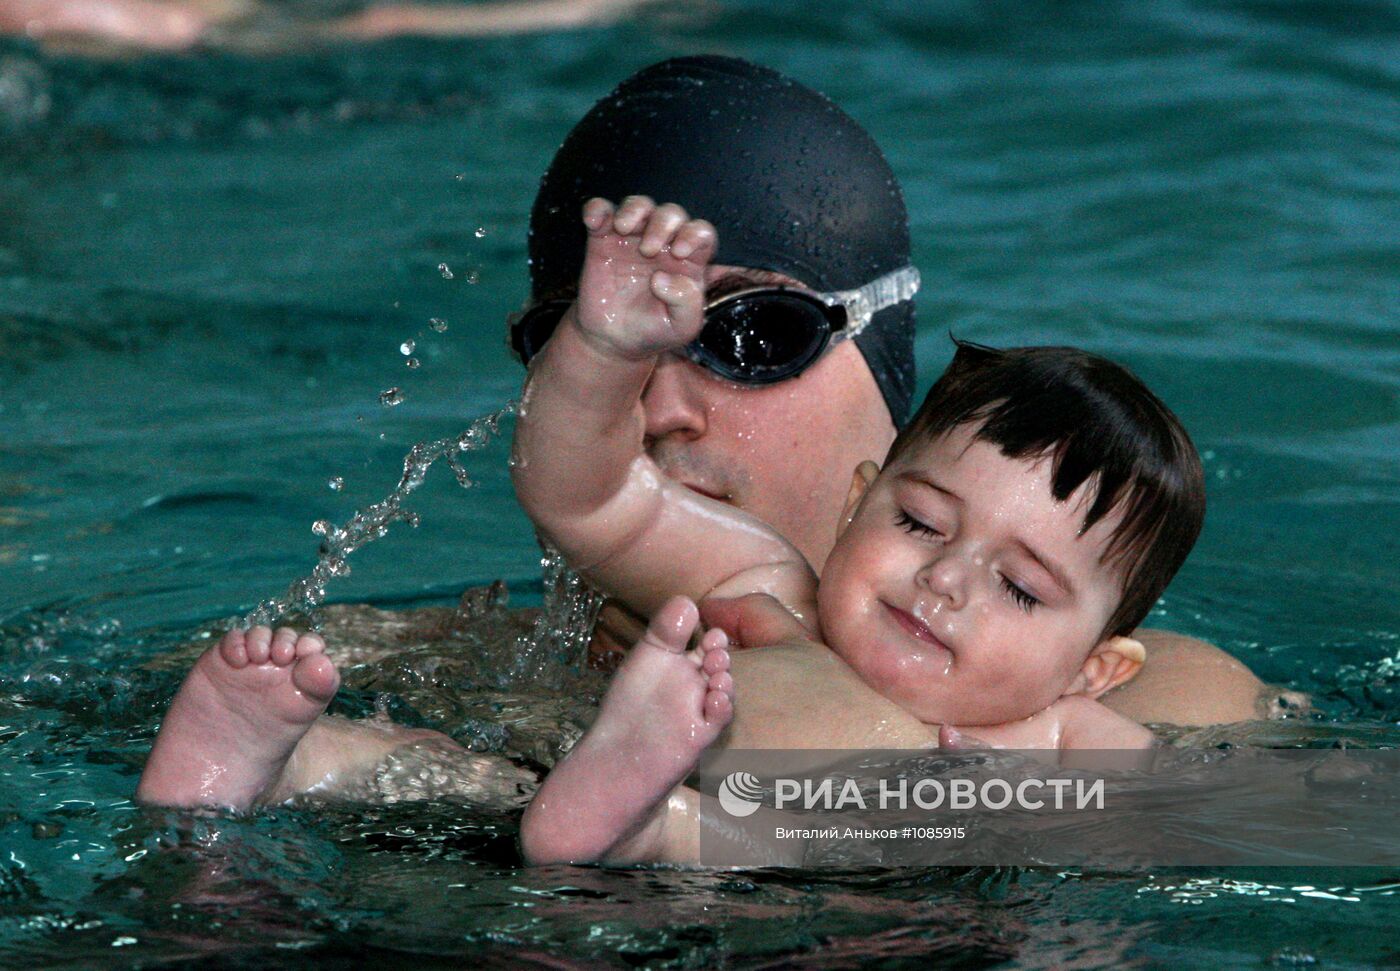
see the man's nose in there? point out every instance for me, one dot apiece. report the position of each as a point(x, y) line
point(673, 400)
point(947, 574)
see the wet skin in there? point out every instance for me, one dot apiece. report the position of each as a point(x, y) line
point(964, 592)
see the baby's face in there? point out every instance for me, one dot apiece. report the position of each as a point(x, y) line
point(962, 591)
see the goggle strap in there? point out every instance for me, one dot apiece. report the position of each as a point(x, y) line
point(864, 303)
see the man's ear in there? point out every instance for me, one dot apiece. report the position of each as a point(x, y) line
point(1115, 661)
point(864, 474)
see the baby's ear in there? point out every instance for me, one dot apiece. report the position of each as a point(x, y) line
point(864, 474)
point(1115, 661)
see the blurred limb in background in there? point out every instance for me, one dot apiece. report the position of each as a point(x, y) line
point(174, 25)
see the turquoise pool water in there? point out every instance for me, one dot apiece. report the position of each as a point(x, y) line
point(208, 265)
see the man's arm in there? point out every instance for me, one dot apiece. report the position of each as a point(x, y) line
point(579, 467)
point(1189, 682)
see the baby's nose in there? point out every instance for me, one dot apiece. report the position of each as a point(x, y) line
point(946, 575)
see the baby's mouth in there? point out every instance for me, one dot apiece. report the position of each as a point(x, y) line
point(913, 626)
point(716, 496)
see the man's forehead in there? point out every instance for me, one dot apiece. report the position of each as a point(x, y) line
point(719, 277)
point(721, 280)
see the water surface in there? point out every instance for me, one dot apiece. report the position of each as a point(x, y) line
point(208, 265)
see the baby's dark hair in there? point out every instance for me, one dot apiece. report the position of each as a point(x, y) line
point(1095, 420)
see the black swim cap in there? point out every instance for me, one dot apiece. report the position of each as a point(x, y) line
point(789, 180)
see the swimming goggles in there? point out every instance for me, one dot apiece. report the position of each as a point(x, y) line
point(758, 336)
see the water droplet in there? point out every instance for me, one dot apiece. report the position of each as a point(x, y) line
point(480, 232)
point(473, 277)
point(390, 398)
point(412, 363)
point(460, 176)
point(438, 324)
point(445, 270)
point(336, 484)
point(464, 479)
point(372, 523)
point(406, 348)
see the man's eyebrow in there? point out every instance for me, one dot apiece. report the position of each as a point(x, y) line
point(736, 280)
point(1057, 573)
point(732, 282)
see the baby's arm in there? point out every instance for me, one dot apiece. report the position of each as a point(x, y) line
point(579, 467)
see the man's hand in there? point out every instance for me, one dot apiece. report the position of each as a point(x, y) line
point(642, 291)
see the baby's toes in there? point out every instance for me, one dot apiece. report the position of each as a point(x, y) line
point(258, 641)
point(719, 707)
point(723, 681)
point(284, 646)
point(310, 644)
point(316, 676)
point(715, 648)
point(233, 649)
point(716, 663)
point(672, 625)
point(661, 228)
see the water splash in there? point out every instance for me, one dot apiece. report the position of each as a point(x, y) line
point(364, 527)
point(557, 645)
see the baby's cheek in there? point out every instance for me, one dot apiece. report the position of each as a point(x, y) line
point(1023, 688)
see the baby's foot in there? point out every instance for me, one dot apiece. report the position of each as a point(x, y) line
point(642, 289)
point(665, 706)
point(236, 719)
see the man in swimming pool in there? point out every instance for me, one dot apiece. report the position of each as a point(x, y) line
point(801, 196)
point(1025, 521)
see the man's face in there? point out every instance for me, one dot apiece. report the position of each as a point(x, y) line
point(962, 591)
point(773, 451)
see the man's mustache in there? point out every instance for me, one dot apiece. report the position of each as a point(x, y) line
point(684, 464)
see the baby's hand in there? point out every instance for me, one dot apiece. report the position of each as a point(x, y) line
point(642, 291)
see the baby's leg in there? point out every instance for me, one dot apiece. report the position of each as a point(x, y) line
point(665, 706)
point(235, 721)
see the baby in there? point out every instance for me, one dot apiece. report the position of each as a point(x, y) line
point(1027, 518)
